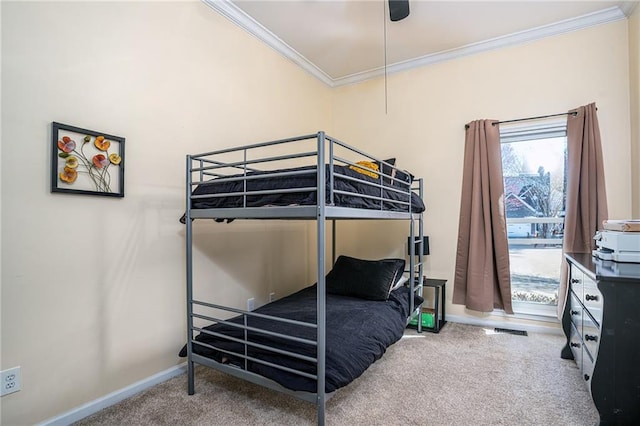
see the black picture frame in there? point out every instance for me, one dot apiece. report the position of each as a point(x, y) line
point(86, 162)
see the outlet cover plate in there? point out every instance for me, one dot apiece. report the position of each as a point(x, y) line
point(10, 381)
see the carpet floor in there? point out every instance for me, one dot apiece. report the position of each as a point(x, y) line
point(465, 375)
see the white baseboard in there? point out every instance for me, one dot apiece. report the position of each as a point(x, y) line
point(481, 322)
point(96, 405)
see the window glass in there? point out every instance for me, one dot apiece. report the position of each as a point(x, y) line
point(534, 165)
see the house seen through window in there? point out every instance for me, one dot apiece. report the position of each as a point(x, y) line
point(534, 165)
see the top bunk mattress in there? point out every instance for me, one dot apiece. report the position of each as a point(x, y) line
point(350, 188)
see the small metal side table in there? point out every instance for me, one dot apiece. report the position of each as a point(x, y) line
point(440, 292)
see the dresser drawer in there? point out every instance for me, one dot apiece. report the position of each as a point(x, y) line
point(576, 312)
point(575, 343)
point(587, 369)
point(590, 334)
point(576, 281)
point(592, 299)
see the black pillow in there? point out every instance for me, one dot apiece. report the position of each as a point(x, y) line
point(387, 170)
point(398, 177)
point(366, 279)
point(403, 178)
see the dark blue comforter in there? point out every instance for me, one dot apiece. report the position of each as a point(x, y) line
point(358, 332)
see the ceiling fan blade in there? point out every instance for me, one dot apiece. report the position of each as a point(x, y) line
point(398, 9)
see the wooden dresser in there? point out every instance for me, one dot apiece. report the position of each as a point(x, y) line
point(602, 323)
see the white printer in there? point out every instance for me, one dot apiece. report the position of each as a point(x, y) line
point(619, 246)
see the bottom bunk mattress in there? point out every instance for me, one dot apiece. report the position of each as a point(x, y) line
point(358, 331)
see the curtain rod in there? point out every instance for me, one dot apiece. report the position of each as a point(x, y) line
point(574, 113)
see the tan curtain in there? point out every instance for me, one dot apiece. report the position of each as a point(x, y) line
point(586, 205)
point(482, 279)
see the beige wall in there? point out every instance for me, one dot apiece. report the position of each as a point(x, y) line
point(428, 107)
point(634, 80)
point(92, 287)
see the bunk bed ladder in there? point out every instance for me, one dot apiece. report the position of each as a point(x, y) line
point(421, 271)
point(416, 270)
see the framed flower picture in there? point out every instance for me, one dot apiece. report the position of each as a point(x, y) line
point(86, 162)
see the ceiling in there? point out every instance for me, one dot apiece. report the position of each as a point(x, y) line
point(343, 41)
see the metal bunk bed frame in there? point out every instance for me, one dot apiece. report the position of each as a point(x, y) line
point(204, 167)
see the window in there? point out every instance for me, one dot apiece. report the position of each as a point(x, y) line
point(534, 165)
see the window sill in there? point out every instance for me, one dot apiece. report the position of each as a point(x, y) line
point(535, 311)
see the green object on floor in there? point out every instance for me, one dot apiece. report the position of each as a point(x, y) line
point(427, 320)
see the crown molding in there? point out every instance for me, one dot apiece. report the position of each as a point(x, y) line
point(628, 7)
point(596, 18)
point(236, 15)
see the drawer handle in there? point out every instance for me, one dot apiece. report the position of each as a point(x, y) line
point(575, 345)
point(590, 337)
point(574, 281)
point(590, 297)
point(587, 377)
point(575, 312)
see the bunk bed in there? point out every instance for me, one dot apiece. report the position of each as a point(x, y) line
point(293, 345)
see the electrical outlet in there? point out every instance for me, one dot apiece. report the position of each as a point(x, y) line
point(11, 381)
point(251, 304)
point(272, 297)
